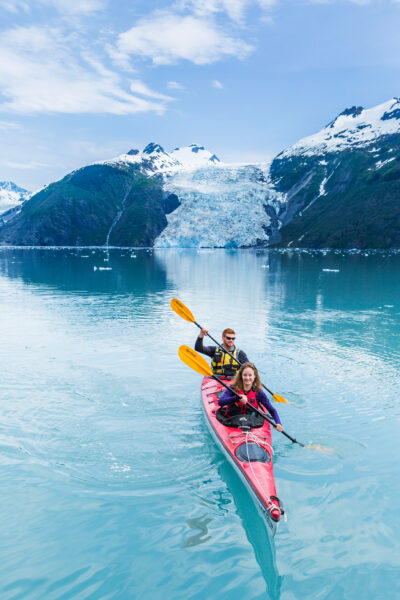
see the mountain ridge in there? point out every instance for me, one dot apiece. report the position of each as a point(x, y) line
point(343, 191)
point(339, 187)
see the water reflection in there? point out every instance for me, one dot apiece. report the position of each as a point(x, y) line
point(199, 524)
point(87, 271)
point(255, 529)
point(292, 292)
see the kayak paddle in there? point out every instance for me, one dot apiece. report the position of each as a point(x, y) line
point(185, 313)
point(196, 362)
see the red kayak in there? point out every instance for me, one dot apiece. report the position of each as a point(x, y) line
point(250, 452)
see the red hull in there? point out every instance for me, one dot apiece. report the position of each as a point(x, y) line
point(258, 476)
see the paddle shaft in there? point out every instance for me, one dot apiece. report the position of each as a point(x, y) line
point(260, 412)
point(230, 354)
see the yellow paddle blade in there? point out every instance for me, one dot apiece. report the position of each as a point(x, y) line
point(182, 310)
point(279, 398)
point(194, 360)
point(323, 449)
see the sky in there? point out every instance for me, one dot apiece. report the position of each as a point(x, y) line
point(87, 80)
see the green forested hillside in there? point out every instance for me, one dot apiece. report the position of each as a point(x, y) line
point(81, 208)
point(348, 199)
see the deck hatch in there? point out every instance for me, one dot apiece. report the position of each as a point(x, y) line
point(252, 452)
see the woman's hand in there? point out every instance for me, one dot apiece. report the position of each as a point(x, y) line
point(243, 399)
point(279, 427)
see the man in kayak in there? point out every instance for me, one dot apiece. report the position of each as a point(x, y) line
point(222, 363)
point(247, 384)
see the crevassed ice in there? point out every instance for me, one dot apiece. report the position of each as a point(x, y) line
point(221, 206)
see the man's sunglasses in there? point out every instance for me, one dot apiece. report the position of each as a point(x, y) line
point(230, 338)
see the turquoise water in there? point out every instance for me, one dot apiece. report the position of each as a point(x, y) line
point(111, 486)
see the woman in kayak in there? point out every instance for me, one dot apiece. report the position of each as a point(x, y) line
point(247, 384)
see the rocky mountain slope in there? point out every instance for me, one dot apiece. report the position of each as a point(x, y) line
point(342, 185)
point(120, 202)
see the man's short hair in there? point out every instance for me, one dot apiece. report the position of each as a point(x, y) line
point(227, 330)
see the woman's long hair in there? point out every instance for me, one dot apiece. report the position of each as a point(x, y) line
point(237, 383)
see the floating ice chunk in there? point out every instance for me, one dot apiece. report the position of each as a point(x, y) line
point(105, 268)
point(331, 270)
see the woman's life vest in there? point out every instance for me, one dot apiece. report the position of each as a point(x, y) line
point(239, 408)
point(223, 364)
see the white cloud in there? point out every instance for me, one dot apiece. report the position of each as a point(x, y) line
point(168, 38)
point(217, 84)
point(65, 7)
point(138, 87)
point(4, 125)
point(73, 7)
point(42, 71)
point(174, 85)
point(235, 9)
point(23, 165)
point(14, 6)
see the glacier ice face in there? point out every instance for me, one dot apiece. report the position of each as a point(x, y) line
point(221, 206)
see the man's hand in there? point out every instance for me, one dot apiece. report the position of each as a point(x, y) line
point(203, 332)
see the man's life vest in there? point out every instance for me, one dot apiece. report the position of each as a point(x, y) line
point(239, 408)
point(223, 364)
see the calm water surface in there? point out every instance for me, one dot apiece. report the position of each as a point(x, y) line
point(111, 486)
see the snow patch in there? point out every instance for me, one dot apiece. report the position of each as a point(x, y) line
point(350, 128)
point(380, 163)
point(11, 196)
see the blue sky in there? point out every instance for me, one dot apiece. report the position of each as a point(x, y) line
point(88, 80)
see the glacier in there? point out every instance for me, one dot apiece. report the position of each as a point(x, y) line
point(222, 206)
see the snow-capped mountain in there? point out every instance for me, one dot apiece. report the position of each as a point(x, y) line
point(154, 159)
point(11, 196)
point(194, 157)
point(342, 185)
point(354, 127)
